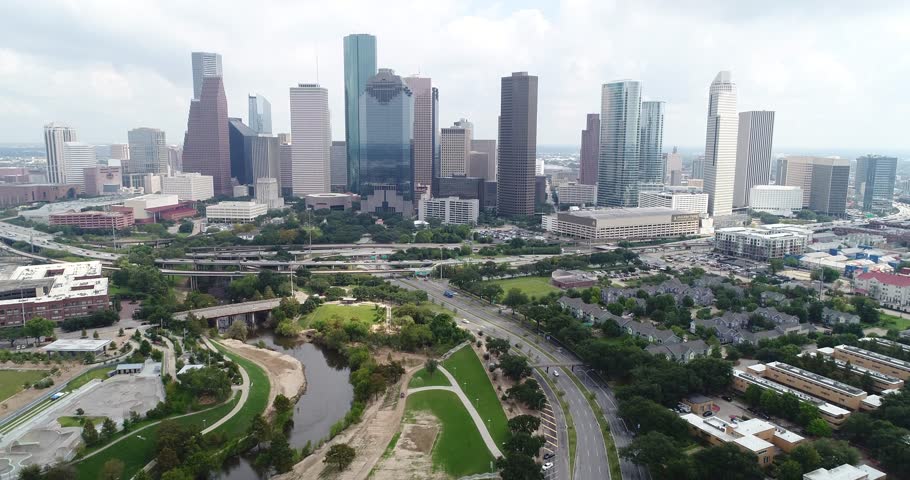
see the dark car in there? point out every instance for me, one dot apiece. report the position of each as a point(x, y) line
point(707, 414)
point(549, 455)
point(727, 398)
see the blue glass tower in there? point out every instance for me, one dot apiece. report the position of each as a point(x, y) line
point(359, 66)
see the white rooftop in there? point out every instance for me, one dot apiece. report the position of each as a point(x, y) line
point(76, 345)
point(753, 443)
point(69, 280)
point(845, 472)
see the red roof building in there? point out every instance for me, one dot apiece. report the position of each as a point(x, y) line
point(889, 289)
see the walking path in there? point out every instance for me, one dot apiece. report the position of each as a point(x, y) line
point(244, 394)
point(478, 421)
point(170, 358)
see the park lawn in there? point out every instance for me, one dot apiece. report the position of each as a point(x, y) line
point(80, 421)
point(257, 401)
point(532, 286)
point(366, 313)
point(893, 322)
point(459, 448)
point(85, 377)
point(11, 381)
point(437, 308)
point(465, 366)
point(423, 379)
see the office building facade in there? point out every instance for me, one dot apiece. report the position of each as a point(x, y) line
point(205, 64)
point(720, 145)
point(235, 212)
point(488, 147)
point(478, 164)
point(102, 180)
point(455, 148)
point(120, 151)
point(590, 146)
point(338, 158)
point(876, 176)
point(148, 152)
point(618, 162)
point(192, 187)
point(580, 194)
point(753, 154)
point(622, 223)
point(311, 133)
point(359, 67)
point(776, 199)
point(252, 155)
point(824, 182)
point(451, 210)
point(426, 124)
point(55, 135)
point(77, 157)
point(651, 161)
point(268, 193)
point(689, 202)
point(517, 144)
point(206, 146)
point(260, 116)
point(284, 163)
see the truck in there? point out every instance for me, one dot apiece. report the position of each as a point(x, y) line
point(449, 293)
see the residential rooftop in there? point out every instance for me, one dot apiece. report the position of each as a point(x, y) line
point(76, 345)
point(817, 379)
point(894, 362)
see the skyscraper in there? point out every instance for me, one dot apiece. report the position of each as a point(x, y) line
point(260, 114)
point(620, 134)
point(455, 148)
point(651, 161)
point(312, 134)
point(359, 66)
point(206, 146)
point(823, 180)
point(753, 154)
point(338, 158)
point(175, 158)
point(253, 155)
point(876, 176)
point(590, 146)
point(55, 135)
point(205, 64)
point(120, 151)
point(78, 156)
point(284, 165)
point(720, 145)
point(672, 163)
point(698, 167)
point(386, 131)
point(148, 152)
point(488, 147)
point(517, 144)
point(426, 122)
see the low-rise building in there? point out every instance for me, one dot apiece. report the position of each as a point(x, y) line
point(451, 210)
point(836, 317)
point(567, 279)
point(832, 414)
point(329, 201)
point(77, 346)
point(587, 312)
point(194, 187)
point(684, 201)
point(142, 206)
point(612, 224)
point(55, 291)
point(845, 472)
point(814, 384)
point(681, 352)
point(649, 332)
point(888, 288)
point(780, 200)
point(872, 360)
point(699, 404)
point(764, 243)
point(762, 439)
point(235, 212)
point(15, 194)
point(880, 382)
point(95, 220)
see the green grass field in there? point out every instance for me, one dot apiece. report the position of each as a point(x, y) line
point(424, 379)
point(11, 381)
point(99, 373)
point(893, 322)
point(459, 449)
point(255, 404)
point(365, 313)
point(532, 286)
point(465, 366)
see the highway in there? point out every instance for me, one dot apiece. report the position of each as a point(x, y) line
point(590, 458)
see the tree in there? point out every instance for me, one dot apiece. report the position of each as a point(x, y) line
point(340, 456)
point(790, 470)
point(529, 393)
point(524, 423)
point(819, 428)
point(524, 444)
point(282, 403)
point(237, 330)
point(777, 264)
point(112, 470)
point(836, 452)
point(282, 456)
point(167, 459)
point(514, 366)
point(89, 433)
point(95, 335)
point(497, 346)
point(145, 348)
point(185, 227)
point(518, 467)
point(654, 450)
point(806, 456)
point(753, 395)
point(108, 429)
point(260, 431)
point(515, 298)
point(31, 472)
point(430, 366)
point(39, 327)
point(726, 461)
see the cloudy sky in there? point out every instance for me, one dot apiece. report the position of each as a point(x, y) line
point(836, 74)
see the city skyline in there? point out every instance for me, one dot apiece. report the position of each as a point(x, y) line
point(770, 77)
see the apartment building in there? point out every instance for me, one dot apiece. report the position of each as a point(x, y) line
point(823, 387)
point(623, 223)
point(881, 382)
point(832, 414)
point(761, 244)
point(872, 360)
point(763, 439)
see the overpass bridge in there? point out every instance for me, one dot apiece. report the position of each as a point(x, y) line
point(225, 315)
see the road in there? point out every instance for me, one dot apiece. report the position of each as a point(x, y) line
point(16, 233)
point(590, 457)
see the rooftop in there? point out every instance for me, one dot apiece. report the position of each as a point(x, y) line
point(609, 213)
point(817, 379)
point(895, 362)
point(57, 281)
point(76, 345)
point(845, 472)
point(886, 278)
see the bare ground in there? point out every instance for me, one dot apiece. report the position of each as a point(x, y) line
point(67, 370)
point(411, 458)
point(284, 371)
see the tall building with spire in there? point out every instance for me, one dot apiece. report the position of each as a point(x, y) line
point(590, 145)
point(651, 162)
point(359, 67)
point(311, 132)
point(55, 135)
point(753, 154)
point(426, 124)
point(619, 162)
point(517, 144)
point(205, 64)
point(206, 146)
point(720, 145)
point(260, 120)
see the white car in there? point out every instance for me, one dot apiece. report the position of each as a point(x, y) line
point(547, 466)
point(555, 372)
point(465, 320)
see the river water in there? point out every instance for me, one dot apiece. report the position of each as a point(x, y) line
point(327, 399)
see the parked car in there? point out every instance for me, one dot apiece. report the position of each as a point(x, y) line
point(548, 455)
point(727, 398)
point(547, 466)
point(707, 414)
point(555, 372)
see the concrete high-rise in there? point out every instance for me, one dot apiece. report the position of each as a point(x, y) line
point(672, 163)
point(488, 147)
point(651, 167)
point(824, 182)
point(77, 157)
point(875, 177)
point(175, 158)
point(359, 67)
point(618, 158)
point(120, 151)
point(206, 146)
point(311, 132)
point(55, 135)
point(148, 152)
point(517, 144)
point(753, 154)
point(205, 64)
point(260, 120)
point(720, 145)
point(426, 125)
point(590, 146)
point(253, 155)
point(455, 148)
point(284, 165)
point(338, 158)
point(385, 169)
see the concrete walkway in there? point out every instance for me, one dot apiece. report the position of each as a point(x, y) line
point(478, 421)
point(244, 394)
point(170, 358)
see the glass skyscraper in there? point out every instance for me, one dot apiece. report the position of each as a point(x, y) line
point(359, 66)
point(260, 114)
point(875, 178)
point(651, 162)
point(385, 166)
point(618, 166)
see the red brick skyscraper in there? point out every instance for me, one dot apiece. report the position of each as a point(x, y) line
point(206, 147)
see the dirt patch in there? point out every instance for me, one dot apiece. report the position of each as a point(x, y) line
point(407, 360)
point(412, 455)
point(284, 371)
point(66, 372)
point(420, 436)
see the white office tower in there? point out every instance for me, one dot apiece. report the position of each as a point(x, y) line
point(753, 154)
point(55, 135)
point(267, 193)
point(720, 145)
point(77, 156)
point(120, 151)
point(455, 148)
point(451, 210)
point(312, 145)
point(175, 158)
point(538, 167)
point(685, 201)
point(148, 152)
point(260, 115)
point(776, 199)
point(205, 64)
point(193, 187)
